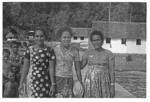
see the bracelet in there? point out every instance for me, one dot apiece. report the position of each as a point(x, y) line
point(53, 84)
point(112, 84)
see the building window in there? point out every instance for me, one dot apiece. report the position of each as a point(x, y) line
point(138, 41)
point(75, 38)
point(82, 38)
point(108, 40)
point(123, 41)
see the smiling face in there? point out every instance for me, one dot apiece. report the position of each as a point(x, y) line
point(39, 37)
point(96, 41)
point(65, 38)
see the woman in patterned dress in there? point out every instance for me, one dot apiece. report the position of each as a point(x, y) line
point(66, 55)
point(99, 80)
point(38, 69)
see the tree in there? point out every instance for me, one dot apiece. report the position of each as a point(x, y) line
point(138, 12)
point(53, 15)
point(120, 12)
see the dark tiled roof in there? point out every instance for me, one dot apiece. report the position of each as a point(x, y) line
point(121, 29)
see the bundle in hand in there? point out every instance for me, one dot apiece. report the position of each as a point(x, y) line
point(78, 89)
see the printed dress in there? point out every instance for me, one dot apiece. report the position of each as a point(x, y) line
point(38, 80)
point(97, 81)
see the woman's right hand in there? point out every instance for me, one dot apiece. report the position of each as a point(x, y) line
point(20, 89)
point(78, 89)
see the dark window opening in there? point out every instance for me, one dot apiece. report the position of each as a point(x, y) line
point(123, 41)
point(138, 41)
point(75, 38)
point(82, 38)
point(108, 40)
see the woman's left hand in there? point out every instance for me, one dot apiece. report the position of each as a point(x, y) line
point(52, 90)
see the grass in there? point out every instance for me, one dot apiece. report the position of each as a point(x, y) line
point(131, 74)
point(137, 62)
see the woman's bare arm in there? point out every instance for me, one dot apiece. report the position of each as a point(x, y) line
point(83, 62)
point(112, 68)
point(52, 71)
point(78, 70)
point(25, 70)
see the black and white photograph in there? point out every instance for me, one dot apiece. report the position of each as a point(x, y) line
point(74, 50)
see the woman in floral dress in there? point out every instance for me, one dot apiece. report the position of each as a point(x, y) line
point(66, 55)
point(99, 80)
point(38, 68)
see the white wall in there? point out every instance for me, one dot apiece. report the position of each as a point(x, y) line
point(130, 47)
point(133, 48)
point(116, 46)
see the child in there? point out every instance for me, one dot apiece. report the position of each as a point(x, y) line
point(15, 59)
point(6, 65)
point(11, 86)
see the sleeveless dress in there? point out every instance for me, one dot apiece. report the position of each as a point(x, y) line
point(38, 80)
point(97, 81)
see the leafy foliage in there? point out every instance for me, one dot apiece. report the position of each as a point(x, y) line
point(53, 15)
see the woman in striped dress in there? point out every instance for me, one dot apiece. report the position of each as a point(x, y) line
point(99, 78)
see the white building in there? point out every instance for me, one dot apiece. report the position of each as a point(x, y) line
point(123, 37)
point(120, 37)
point(81, 36)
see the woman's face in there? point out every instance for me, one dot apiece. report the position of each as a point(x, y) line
point(65, 38)
point(39, 37)
point(96, 41)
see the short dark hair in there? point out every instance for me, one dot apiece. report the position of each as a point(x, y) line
point(6, 51)
point(99, 33)
point(40, 29)
point(63, 29)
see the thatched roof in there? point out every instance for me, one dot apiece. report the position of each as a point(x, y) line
point(121, 29)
